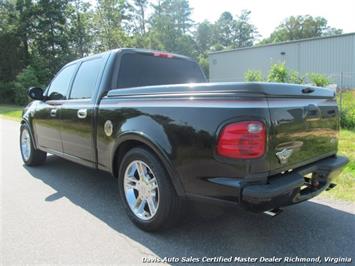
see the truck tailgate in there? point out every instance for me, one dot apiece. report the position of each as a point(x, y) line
point(304, 126)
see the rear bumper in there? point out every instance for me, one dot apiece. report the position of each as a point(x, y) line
point(291, 188)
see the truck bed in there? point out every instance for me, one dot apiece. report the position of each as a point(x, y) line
point(302, 118)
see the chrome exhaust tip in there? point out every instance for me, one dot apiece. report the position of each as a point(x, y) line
point(273, 212)
point(331, 186)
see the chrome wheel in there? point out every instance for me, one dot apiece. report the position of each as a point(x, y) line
point(141, 190)
point(26, 144)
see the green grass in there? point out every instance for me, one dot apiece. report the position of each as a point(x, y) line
point(11, 111)
point(345, 189)
point(348, 99)
point(347, 106)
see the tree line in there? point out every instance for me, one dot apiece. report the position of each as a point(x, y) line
point(37, 37)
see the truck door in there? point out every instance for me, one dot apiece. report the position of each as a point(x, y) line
point(78, 112)
point(46, 119)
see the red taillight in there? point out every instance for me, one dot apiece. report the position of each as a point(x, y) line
point(242, 140)
point(164, 55)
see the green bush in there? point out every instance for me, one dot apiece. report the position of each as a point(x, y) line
point(278, 73)
point(295, 78)
point(25, 79)
point(253, 75)
point(7, 93)
point(318, 79)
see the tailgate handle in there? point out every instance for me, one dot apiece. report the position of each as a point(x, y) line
point(308, 90)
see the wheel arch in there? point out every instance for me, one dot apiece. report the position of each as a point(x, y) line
point(131, 140)
point(27, 123)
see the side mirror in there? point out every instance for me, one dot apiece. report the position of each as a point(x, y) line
point(35, 93)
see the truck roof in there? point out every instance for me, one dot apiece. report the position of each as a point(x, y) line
point(141, 50)
point(131, 50)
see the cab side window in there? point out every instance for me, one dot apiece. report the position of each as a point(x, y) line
point(60, 84)
point(85, 80)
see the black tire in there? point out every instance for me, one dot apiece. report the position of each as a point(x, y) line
point(170, 205)
point(36, 157)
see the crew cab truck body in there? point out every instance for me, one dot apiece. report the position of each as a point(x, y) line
point(152, 120)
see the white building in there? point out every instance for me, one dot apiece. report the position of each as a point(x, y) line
point(333, 56)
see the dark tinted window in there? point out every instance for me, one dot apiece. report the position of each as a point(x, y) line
point(60, 84)
point(140, 69)
point(85, 80)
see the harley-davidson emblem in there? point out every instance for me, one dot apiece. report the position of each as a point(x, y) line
point(108, 128)
point(284, 155)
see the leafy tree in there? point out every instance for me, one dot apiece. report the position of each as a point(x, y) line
point(81, 23)
point(51, 35)
point(140, 7)
point(225, 30)
point(139, 21)
point(235, 32)
point(111, 18)
point(169, 25)
point(176, 12)
point(7, 92)
point(24, 80)
point(11, 56)
point(8, 16)
point(25, 25)
point(163, 34)
point(14, 30)
point(182, 15)
point(245, 33)
point(301, 27)
point(205, 36)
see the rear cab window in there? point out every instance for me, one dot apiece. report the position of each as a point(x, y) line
point(84, 85)
point(146, 69)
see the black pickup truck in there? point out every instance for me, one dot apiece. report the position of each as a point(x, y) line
point(151, 119)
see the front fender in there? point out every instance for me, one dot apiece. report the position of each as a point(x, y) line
point(27, 120)
point(28, 124)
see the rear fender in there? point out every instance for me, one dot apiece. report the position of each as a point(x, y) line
point(152, 135)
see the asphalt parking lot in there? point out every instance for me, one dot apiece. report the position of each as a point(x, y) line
point(65, 213)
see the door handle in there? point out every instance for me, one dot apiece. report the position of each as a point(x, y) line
point(53, 112)
point(82, 113)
